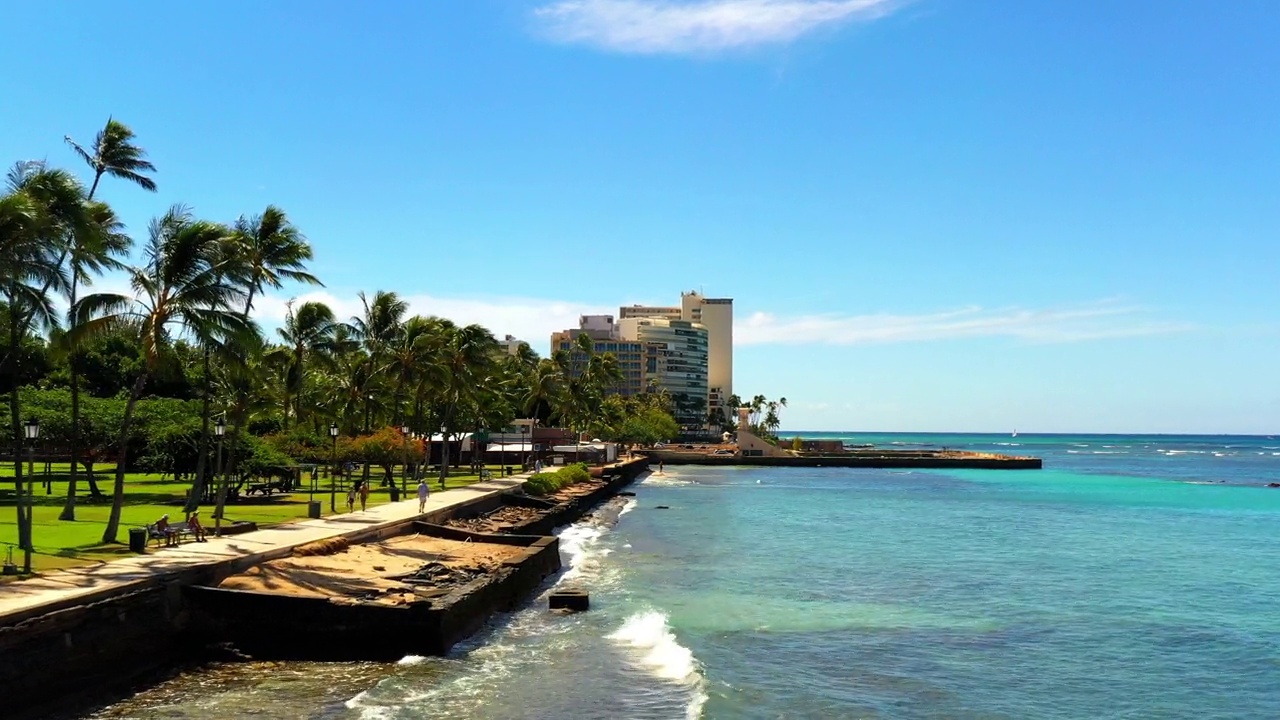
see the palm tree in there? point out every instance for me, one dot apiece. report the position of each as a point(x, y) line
point(225, 255)
point(270, 250)
point(378, 326)
point(308, 331)
point(94, 250)
point(273, 250)
point(377, 329)
point(405, 357)
point(33, 227)
point(179, 290)
point(114, 154)
point(463, 358)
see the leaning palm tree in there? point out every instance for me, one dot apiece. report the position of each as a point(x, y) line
point(179, 290)
point(115, 154)
point(30, 233)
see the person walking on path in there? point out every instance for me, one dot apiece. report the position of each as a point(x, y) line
point(424, 492)
point(351, 500)
point(364, 496)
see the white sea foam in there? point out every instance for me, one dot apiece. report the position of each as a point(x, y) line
point(627, 507)
point(665, 480)
point(659, 652)
point(411, 660)
point(578, 542)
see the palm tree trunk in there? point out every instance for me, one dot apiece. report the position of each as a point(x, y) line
point(226, 472)
point(69, 508)
point(97, 177)
point(117, 500)
point(15, 417)
point(202, 461)
point(19, 495)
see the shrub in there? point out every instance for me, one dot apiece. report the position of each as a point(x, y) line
point(575, 473)
point(546, 483)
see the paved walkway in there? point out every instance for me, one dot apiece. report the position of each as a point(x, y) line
point(18, 600)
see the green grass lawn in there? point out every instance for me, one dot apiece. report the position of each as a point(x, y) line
point(61, 544)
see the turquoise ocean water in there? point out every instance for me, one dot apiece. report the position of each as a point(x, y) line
point(1133, 577)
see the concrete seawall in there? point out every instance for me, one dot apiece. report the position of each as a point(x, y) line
point(271, 626)
point(106, 639)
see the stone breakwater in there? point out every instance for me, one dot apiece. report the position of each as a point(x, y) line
point(922, 459)
point(120, 638)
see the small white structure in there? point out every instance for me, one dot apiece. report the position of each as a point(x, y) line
point(749, 444)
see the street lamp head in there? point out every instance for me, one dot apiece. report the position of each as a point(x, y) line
point(404, 430)
point(333, 430)
point(220, 427)
point(32, 429)
point(444, 429)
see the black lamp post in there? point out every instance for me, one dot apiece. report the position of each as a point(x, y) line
point(220, 430)
point(404, 476)
point(444, 454)
point(364, 473)
point(333, 468)
point(32, 432)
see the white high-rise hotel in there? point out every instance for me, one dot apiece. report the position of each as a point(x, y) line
point(714, 314)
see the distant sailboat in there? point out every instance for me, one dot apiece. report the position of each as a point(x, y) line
point(1015, 433)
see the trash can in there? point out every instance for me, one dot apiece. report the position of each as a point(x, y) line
point(508, 469)
point(313, 509)
point(137, 540)
point(395, 493)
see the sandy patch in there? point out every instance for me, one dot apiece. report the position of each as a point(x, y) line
point(395, 571)
point(575, 490)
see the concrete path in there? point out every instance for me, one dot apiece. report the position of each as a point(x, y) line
point(23, 599)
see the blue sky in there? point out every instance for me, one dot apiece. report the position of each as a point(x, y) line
point(932, 214)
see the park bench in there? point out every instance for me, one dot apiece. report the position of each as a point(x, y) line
point(175, 532)
point(266, 488)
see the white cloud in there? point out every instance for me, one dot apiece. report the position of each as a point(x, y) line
point(1061, 325)
point(666, 26)
point(530, 319)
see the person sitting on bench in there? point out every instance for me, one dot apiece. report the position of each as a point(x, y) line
point(162, 529)
point(193, 524)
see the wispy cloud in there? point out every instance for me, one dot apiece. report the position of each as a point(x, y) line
point(1097, 321)
point(698, 26)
